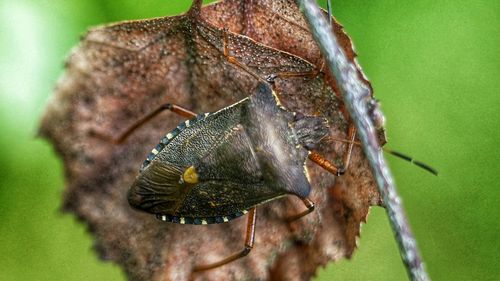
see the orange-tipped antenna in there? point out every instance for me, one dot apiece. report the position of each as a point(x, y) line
point(397, 154)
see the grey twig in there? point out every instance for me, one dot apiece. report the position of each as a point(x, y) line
point(356, 97)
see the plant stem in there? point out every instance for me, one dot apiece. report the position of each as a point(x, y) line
point(356, 97)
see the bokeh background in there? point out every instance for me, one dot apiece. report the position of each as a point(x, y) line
point(434, 65)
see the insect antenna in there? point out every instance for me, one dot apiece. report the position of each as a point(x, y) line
point(411, 160)
point(397, 154)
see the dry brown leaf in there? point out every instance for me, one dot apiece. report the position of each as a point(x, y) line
point(121, 72)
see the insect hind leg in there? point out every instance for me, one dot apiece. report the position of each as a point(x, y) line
point(249, 242)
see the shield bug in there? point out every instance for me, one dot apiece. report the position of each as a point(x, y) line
point(218, 166)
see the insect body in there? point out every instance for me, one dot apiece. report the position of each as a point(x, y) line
point(216, 166)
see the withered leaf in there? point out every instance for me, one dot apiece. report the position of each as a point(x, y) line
point(123, 71)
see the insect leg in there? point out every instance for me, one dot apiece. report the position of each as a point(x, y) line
point(249, 241)
point(167, 106)
point(397, 154)
point(325, 163)
point(329, 166)
point(310, 208)
point(351, 136)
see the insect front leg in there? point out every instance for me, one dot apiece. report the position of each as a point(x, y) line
point(351, 136)
point(346, 159)
point(326, 164)
point(124, 135)
point(249, 241)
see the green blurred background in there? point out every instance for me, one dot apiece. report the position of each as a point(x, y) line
point(434, 65)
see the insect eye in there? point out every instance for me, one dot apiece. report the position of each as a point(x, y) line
point(298, 116)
